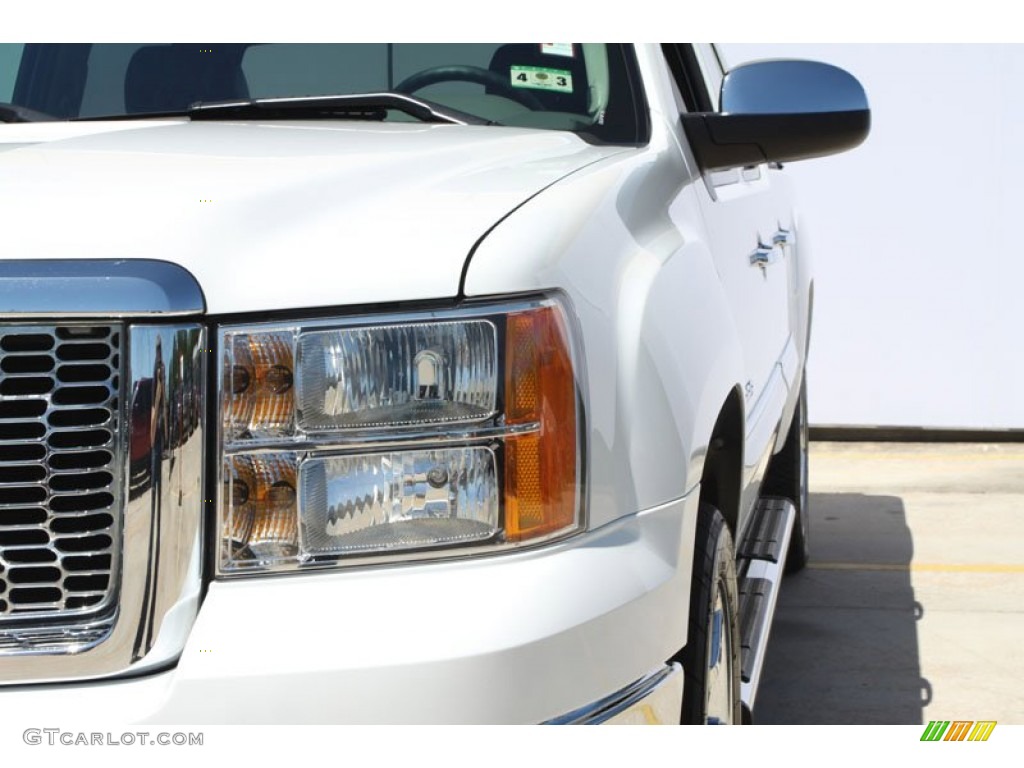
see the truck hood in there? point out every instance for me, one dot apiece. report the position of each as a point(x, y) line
point(276, 215)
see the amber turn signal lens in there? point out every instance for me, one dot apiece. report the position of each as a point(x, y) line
point(259, 385)
point(541, 466)
point(262, 520)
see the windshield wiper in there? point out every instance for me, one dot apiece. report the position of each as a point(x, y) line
point(14, 113)
point(358, 106)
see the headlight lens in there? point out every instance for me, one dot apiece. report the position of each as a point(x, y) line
point(399, 500)
point(396, 376)
point(409, 437)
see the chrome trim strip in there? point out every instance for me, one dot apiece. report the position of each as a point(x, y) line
point(162, 520)
point(108, 288)
point(340, 442)
point(165, 474)
point(633, 698)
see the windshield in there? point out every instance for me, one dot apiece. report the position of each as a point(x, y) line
point(580, 87)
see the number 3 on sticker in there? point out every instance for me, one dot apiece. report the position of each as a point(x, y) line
point(542, 79)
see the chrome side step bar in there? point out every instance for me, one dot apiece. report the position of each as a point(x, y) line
point(760, 562)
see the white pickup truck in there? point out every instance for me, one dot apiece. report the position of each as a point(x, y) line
point(401, 383)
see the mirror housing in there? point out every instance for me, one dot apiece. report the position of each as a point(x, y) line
point(779, 111)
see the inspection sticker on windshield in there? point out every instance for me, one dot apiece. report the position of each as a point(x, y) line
point(557, 49)
point(542, 78)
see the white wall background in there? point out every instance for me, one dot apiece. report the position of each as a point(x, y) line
point(918, 239)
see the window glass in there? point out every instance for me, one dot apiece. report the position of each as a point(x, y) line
point(583, 87)
point(103, 93)
point(10, 57)
point(305, 70)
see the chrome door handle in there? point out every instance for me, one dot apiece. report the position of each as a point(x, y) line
point(781, 237)
point(762, 257)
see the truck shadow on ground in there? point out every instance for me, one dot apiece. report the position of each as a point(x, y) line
point(843, 645)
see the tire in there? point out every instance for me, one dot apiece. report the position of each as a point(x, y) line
point(787, 477)
point(711, 659)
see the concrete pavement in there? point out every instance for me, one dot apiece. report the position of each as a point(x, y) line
point(912, 607)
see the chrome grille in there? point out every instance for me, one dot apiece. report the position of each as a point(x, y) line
point(59, 474)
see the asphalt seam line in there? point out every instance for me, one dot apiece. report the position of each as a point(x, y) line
point(921, 567)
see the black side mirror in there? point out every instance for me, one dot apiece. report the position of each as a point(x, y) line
point(776, 111)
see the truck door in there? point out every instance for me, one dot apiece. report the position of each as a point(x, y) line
point(747, 214)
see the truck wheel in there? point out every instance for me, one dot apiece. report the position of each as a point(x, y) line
point(787, 477)
point(711, 659)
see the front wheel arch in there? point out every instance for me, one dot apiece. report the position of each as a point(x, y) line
point(721, 478)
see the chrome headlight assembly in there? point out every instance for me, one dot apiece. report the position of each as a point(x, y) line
point(422, 435)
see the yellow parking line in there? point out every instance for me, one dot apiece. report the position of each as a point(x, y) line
point(922, 567)
point(910, 456)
